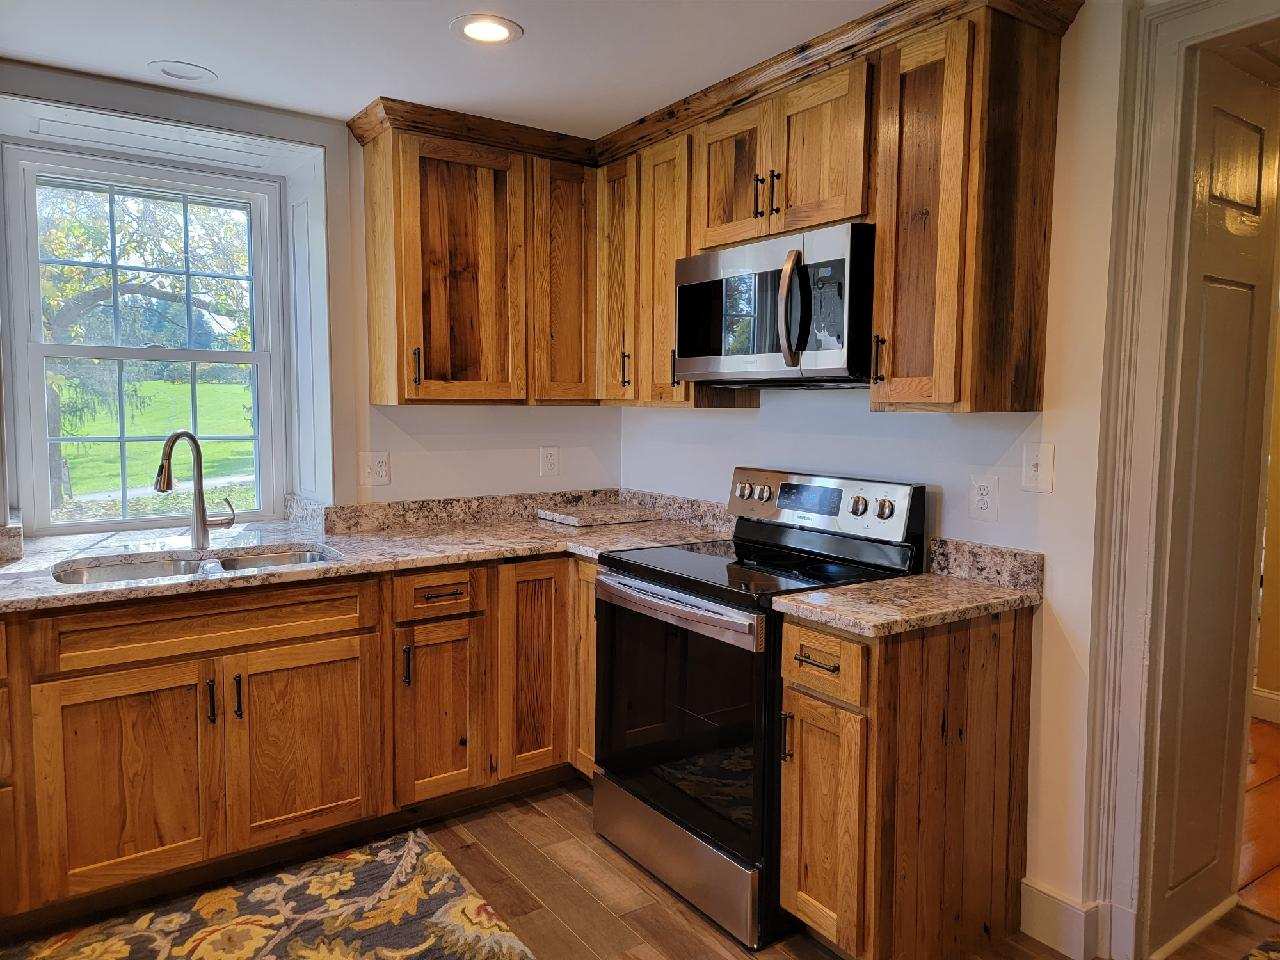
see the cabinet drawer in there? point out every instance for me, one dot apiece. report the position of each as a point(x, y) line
point(205, 623)
point(439, 593)
point(824, 663)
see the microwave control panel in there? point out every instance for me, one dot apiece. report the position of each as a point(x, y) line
point(865, 508)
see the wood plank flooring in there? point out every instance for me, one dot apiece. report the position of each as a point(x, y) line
point(1260, 845)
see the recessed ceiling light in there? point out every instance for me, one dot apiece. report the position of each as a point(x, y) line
point(486, 28)
point(182, 70)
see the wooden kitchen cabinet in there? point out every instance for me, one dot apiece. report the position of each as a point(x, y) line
point(535, 614)
point(823, 813)
point(582, 685)
point(731, 158)
point(617, 271)
point(11, 889)
point(562, 308)
point(445, 255)
point(129, 774)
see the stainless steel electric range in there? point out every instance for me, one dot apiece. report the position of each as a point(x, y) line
point(688, 679)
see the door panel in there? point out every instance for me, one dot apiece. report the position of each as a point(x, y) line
point(730, 163)
point(440, 743)
point(617, 270)
point(583, 676)
point(294, 740)
point(1211, 584)
point(128, 775)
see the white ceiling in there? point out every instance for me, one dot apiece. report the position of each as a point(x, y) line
point(583, 67)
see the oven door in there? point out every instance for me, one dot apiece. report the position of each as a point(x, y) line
point(681, 719)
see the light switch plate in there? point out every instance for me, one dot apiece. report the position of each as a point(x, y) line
point(375, 469)
point(548, 461)
point(984, 497)
point(1037, 467)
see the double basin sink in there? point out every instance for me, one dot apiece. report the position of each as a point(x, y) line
point(151, 567)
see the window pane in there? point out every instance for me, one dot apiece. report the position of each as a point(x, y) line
point(141, 458)
point(218, 239)
point(84, 481)
point(153, 309)
point(75, 305)
point(224, 399)
point(81, 397)
point(157, 397)
point(230, 470)
point(149, 232)
point(220, 317)
point(73, 223)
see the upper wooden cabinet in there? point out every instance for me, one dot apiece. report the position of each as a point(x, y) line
point(562, 309)
point(616, 275)
point(731, 162)
point(445, 254)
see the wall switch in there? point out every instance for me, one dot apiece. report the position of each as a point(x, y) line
point(548, 461)
point(1037, 467)
point(984, 497)
point(375, 469)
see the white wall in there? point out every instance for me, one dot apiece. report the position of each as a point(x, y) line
point(689, 453)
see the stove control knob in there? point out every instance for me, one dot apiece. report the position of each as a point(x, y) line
point(745, 491)
point(859, 506)
point(884, 509)
point(764, 492)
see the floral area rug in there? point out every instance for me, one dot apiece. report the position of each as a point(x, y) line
point(397, 898)
point(1266, 951)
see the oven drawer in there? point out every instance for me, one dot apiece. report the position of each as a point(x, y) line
point(824, 663)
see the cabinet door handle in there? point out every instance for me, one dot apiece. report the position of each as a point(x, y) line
point(674, 381)
point(417, 366)
point(831, 668)
point(407, 677)
point(428, 597)
point(877, 342)
point(774, 177)
point(787, 752)
point(626, 381)
point(238, 682)
point(212, 688)
point(757, 183)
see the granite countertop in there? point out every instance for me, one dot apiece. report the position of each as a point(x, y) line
point(28, 584)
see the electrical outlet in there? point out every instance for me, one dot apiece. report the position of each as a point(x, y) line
point(984, 497)
point(1037, 467)
point(548, 461)
point(375, 469)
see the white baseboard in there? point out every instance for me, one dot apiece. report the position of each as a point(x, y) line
point(1078, 930)
point(1264, 704)
point(1191, 932)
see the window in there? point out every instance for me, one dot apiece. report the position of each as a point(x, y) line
point(145, 306)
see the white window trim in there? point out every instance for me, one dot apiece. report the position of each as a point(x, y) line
point(25, 388)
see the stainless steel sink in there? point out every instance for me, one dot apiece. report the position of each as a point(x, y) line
point(125, 570)
point(282, 558)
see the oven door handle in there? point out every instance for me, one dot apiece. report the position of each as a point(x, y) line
point(735, 627)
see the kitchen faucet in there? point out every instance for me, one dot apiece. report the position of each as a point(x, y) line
point(200, 522)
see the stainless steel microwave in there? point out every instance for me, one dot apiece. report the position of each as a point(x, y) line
point(787, 311)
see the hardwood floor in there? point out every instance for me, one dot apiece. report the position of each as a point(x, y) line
point(1260, 847)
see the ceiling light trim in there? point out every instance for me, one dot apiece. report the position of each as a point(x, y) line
point(486, 29)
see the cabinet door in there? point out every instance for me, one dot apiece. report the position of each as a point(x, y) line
point(582, 687)
point(295, 757)
point(562, 309)
point(461, 237)
point(730, 163)
point(128, 772)
point(534, 617)
point(823, 813)
point(664, 239)
point(616, 275)
point(920, 210)
point(819, 144)
point(10, 896)
point(439, 732)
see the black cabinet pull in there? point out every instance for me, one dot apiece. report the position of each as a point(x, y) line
point(238, 682)
point(774, 177)
point(417, 366)
point(877, 343)
point(408, 665)
point(832, 668)
point(757, 182)
point(674, 381)
point(626, 381)
point(787, 752)
point(213, 700)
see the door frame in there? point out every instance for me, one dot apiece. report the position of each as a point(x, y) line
point(1135, 456)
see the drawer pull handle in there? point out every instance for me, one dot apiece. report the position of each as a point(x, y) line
point(408, 665)
point(787, 752)
point(443, 595)
point(238, 682)
point(831, 668)
point(213, 700)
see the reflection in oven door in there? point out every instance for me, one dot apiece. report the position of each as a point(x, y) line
point(680, 724)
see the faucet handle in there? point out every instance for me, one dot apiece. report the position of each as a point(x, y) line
point(220, 522)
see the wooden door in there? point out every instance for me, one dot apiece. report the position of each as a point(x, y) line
point(128, 774)
point(664, 239)
point(296, 718)
point(819, 146)
point(562, 309)
point(582, 686)
point(730, 165)
point(616, 276)
point(920, 213)
point(823, 817)
point(440, 708)
point(461, 244)
point(534, 616)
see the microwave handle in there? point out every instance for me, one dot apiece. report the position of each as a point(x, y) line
point(789, 355)
point(737, 628)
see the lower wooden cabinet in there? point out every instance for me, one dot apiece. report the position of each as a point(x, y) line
point(582, 676)
point(535, 613)
point(10, 890)
point(823, 813)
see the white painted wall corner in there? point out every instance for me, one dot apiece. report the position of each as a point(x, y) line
point(1078, 930)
